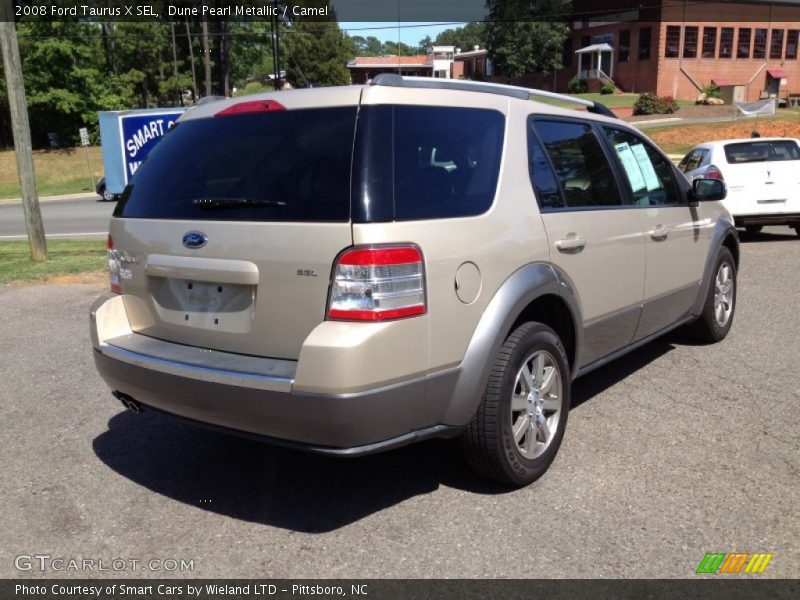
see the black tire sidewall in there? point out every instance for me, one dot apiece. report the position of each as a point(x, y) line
point(719, 332)
point(519, 468)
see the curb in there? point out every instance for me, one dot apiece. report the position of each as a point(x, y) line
point(60, 198)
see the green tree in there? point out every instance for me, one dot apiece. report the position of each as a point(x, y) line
point(251, 52)
point(521, 36)
point(424, 44)
point(466, 37)
point(315, 53)
point(398, 49)
point(64, 79)
point(373, 46)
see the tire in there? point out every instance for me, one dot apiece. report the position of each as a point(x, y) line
point(797, 230)
point(489, 443)
point(753, 228)
point(709, 327)
point(107, 196)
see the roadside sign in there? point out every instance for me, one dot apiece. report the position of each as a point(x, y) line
point(127, 137)
point(84, 136)
point(140, 133)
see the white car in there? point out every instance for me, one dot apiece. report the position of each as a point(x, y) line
point(762, 176)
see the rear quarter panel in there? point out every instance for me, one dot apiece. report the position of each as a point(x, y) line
point(509, 235)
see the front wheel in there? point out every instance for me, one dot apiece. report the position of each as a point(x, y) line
point(715, 321)
point(520, 422)
point(797, 230)
point(753, 228)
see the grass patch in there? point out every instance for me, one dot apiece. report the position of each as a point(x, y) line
point(610, 100)
point(62, 171)
point(67, 257)
point(679, 139)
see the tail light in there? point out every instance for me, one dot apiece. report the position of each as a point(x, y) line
point(378, 284)
point(712, 172)
point(113, 266)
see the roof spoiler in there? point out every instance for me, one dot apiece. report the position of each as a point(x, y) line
point(522, 93)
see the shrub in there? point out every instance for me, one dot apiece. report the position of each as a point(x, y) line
point(578, 86)
point(711, 90)
point(608, 88)
point(254, 87)
point(650, 104)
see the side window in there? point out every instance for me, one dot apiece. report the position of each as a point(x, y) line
point(548, 193)
point(692, 161)
point(446, 161)
point(581, 167)
point(649, 174)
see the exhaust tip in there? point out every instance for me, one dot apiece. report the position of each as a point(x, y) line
point(128, 402)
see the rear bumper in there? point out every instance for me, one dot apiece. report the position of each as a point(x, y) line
point(346, 424)
point(767, 219)
point(257, 397)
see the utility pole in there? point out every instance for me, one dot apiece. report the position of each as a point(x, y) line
point(191, 60)
point(274, 54)
point(206, 56)
point(278, 82)
point(175, 63)
point(21, 129)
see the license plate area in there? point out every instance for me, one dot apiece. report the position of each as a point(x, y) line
point(222, 307)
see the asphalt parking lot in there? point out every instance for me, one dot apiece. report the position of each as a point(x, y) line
point(672, 452)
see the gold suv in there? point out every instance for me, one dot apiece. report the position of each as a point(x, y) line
point(352, 269)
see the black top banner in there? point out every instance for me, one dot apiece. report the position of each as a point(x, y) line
point(444, 11)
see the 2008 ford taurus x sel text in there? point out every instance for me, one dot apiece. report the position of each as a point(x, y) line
point(348, 270)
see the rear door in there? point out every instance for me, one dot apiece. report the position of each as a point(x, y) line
point(229, 229)
point(595, 236)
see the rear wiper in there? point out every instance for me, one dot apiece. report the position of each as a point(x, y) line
point(223, 203)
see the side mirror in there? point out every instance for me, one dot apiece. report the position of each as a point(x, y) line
point(706, 190)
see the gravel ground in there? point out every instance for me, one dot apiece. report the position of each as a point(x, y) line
point(672, 452)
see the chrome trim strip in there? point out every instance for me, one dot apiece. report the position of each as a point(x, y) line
point(200, 373)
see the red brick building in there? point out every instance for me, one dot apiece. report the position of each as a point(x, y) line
point(446, 62)
point(364, 68)
point(676, 47)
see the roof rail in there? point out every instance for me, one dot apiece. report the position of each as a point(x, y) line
point(522, 93)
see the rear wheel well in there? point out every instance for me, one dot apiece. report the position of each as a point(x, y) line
point(552, 311)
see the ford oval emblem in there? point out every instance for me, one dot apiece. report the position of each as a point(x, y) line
point(195, 239)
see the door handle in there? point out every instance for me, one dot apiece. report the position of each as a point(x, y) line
point(659, 234)
point(571, 245)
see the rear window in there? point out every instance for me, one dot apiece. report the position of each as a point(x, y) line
point(766, 151)
point(425, 162)
point(290, 165)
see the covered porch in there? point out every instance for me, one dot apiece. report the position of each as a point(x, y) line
point(596, 62)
